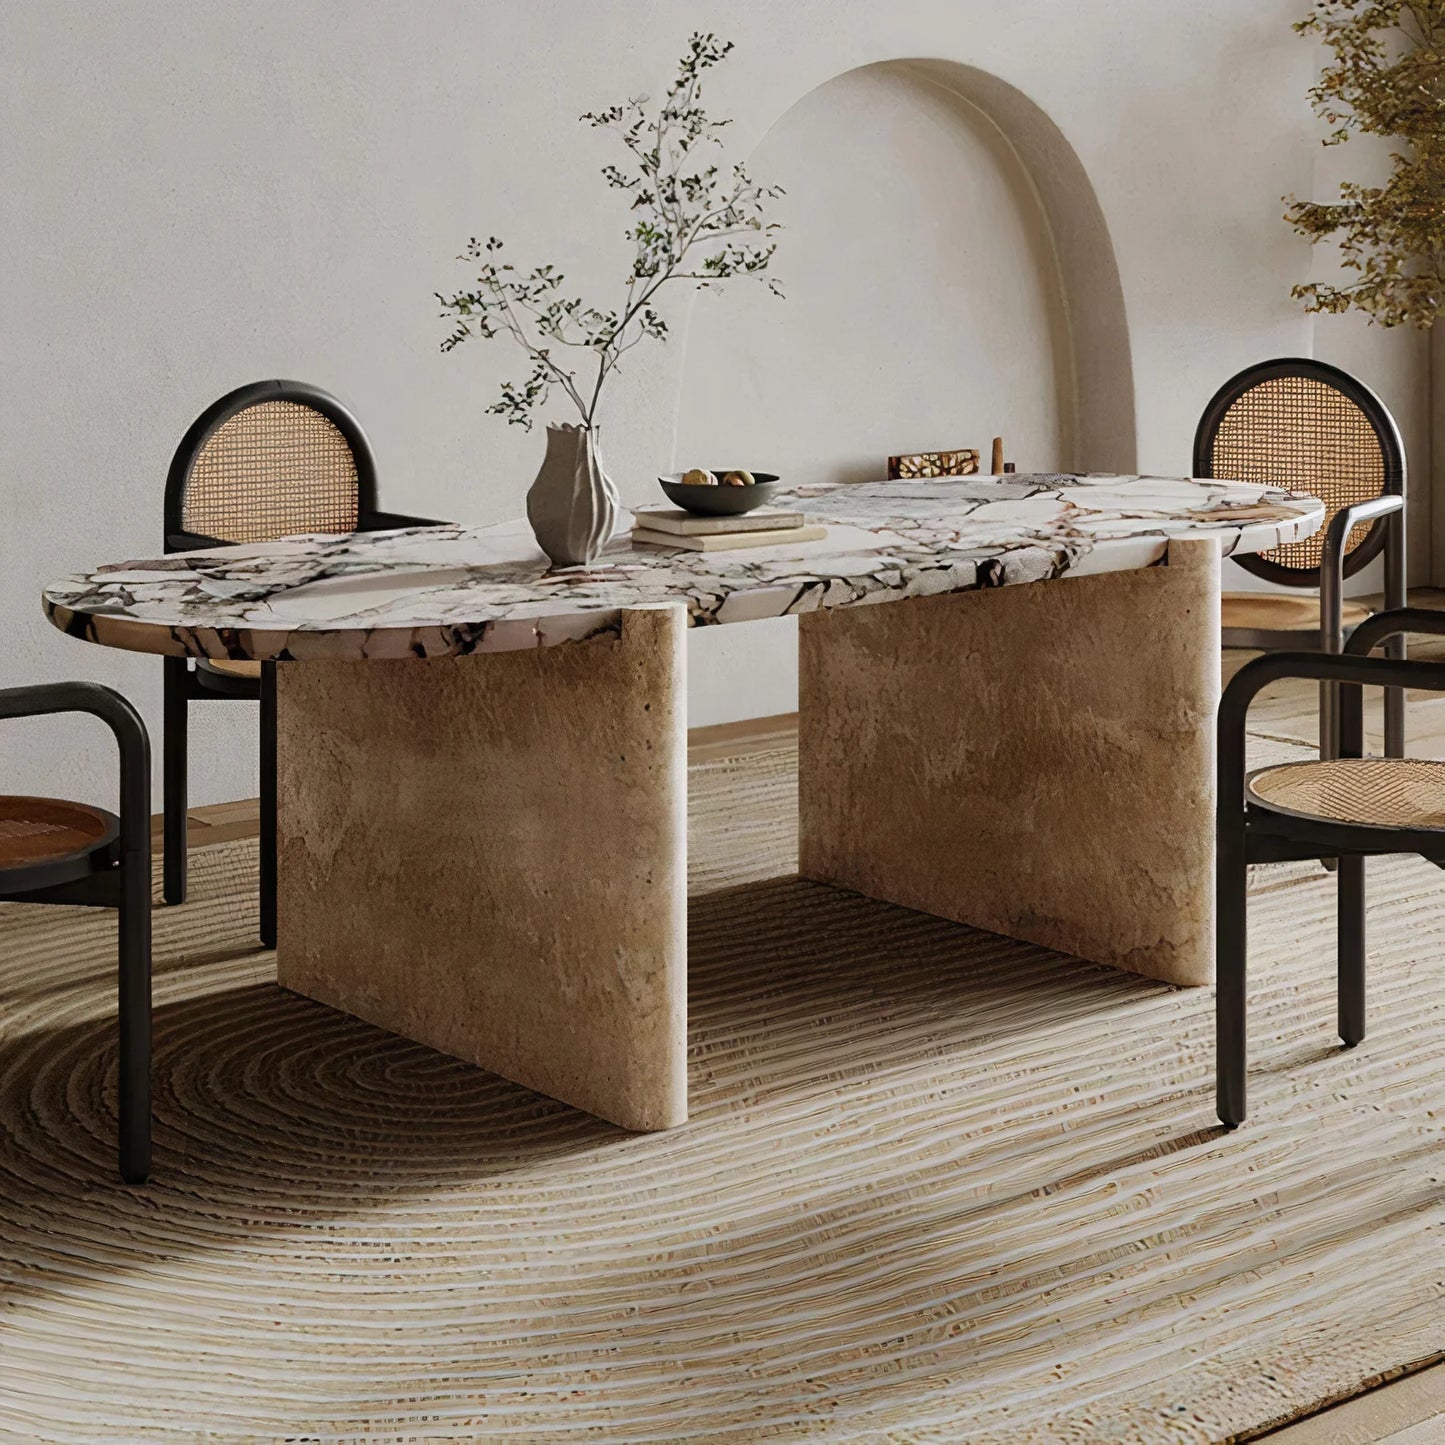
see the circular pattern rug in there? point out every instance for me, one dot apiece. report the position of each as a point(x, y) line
point(936, 1186)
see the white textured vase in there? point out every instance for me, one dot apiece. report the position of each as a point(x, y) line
point(572, 505)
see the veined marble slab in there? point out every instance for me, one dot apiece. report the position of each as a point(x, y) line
point(448, 591)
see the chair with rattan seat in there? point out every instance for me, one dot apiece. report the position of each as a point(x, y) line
point(54, 851)
point(1347, 808)
point(1313, 428)
point(271, 459)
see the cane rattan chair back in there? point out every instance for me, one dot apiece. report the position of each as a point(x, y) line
point(269, 460)
point(1313, 428)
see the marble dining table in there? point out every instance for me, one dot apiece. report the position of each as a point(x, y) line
point(1007, 689)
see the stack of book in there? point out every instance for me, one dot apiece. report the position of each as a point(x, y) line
point(672, 527)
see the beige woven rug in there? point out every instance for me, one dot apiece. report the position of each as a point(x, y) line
point(937, 1186)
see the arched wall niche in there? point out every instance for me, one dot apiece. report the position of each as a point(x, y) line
point(949, 275)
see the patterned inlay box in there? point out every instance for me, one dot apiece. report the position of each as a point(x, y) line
point(959, 463)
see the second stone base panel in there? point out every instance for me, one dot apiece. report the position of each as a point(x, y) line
point(488, 854)
point(1035, 760)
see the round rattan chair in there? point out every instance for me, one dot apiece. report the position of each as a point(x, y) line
point(1309, 426)
point(54, 851)
point(271, 459)
point(1346, 808)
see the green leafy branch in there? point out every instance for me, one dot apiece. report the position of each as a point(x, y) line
point(695, 220)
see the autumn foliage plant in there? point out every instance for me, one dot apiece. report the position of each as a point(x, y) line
point(1386, 78)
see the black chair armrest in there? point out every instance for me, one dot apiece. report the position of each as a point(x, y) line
point(1383, 625)
point(193, 542)
point(1390, 507)
point(389, 521)
point(131, 739)
point(1259, 672)
point(1332, 563)
point(1386, 629)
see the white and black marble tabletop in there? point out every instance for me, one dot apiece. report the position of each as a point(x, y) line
point(447, 591)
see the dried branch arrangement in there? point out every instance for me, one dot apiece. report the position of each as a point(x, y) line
point(696, 220)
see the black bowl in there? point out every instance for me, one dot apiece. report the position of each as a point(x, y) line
point(720, 501)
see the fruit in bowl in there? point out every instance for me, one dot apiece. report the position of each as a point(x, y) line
point(720, 492)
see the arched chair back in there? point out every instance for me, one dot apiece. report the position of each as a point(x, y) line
point(272, 459)
point(1313, 428)
point(269, 460)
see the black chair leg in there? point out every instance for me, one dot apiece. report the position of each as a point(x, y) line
point(268, 805)
point(1394, 722)
point(173, 783)
point(1352, 950)
point(135, 1016)
point(1231, 944)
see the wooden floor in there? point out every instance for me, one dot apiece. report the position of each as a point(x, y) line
point(1405, 1412)
point(216, 823)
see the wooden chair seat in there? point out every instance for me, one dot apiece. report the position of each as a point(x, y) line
point(1282, 612)
point(251, 671)
point(220, 677)
point(1407, 793)
point(50, 830)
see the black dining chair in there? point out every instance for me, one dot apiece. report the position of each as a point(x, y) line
point(1349, 808)
point(268, 460)
point(53, 851)
point(1306, 425)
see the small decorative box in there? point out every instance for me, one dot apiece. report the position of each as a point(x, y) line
point(961, 463)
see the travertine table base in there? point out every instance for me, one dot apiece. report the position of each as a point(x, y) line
point(488, 854)
point(1034, 760)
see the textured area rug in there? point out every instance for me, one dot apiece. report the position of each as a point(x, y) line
point(937, 1186)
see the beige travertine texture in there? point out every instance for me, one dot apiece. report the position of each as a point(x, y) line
point(488, 854)
point(1034, 760)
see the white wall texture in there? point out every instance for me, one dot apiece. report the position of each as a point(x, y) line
point(201, 195)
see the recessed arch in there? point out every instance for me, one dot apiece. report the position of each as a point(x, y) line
point(1036, 284)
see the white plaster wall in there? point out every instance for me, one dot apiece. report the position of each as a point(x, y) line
point(923, 308)
point(198, 195)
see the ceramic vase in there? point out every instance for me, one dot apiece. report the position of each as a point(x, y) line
point(572, 505)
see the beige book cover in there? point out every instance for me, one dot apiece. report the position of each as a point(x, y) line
point(721, 542)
